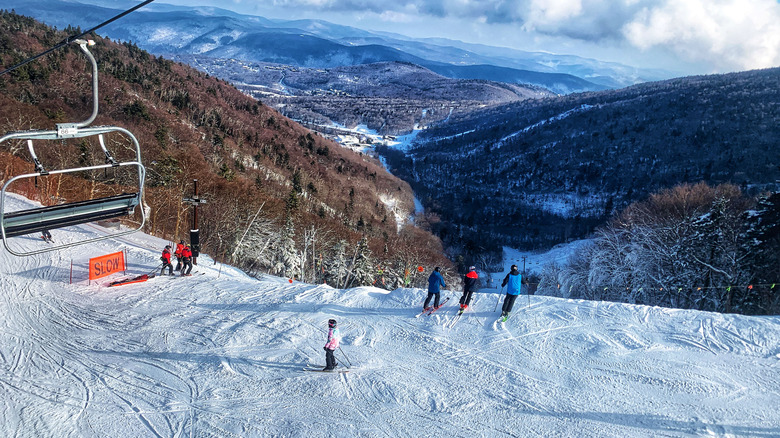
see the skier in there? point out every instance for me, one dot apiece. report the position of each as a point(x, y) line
point(330, 347)
point(179, 248)
point(469, 286)
point(46, 235)
point(435, 281)
point(186, 258)
point(513, 281)
point(166, 259)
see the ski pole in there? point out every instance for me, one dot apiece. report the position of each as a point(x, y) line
point(345, 356)
point(499, 298)
point(158, 267)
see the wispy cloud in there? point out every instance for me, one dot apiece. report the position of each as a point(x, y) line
point(726, 34)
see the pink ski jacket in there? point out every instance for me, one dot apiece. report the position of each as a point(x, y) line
point(333, 339)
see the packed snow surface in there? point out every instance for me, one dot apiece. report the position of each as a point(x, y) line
point(220, 354)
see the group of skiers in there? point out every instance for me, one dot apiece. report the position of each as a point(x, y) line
point(183, 256)
point(513, 281)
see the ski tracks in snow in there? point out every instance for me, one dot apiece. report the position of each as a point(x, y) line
point(208, 356)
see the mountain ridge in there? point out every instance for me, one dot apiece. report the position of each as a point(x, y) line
point(390, 98)
point(140, 26)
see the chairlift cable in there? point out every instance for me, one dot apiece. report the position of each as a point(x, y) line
point(70, 39)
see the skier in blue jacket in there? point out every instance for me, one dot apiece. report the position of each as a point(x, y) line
point(435, 281)
point(513, 281)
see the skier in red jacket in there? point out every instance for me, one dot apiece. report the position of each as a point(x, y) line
point(179, 248)
point(186, 258)
point(166, 259)
point(469, 286)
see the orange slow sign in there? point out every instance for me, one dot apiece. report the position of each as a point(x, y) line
point(106, 265)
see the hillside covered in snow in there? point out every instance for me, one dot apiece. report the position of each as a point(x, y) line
point(220, 354)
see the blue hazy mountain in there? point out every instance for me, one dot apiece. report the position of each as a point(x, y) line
point(173, 30)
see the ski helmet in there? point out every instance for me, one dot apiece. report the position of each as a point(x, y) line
point(331, 323)
point(472, 268)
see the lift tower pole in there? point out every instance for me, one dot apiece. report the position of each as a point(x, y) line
point(194, 231)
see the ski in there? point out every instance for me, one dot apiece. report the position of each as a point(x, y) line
point(457, 317)
point(320, 370)
point(432, 309)
point(439, 306)
point(189, 275)
point(422, 313)
point(138, 279)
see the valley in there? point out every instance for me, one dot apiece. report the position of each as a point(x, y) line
point(391, 98)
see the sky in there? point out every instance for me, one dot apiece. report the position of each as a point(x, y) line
point(688, 36)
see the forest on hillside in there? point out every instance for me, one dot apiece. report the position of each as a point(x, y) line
point(281, 199)
point(690, 247)
point(535, 173)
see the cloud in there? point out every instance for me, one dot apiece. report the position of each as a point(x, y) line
point(724, 34)
point(728, 34)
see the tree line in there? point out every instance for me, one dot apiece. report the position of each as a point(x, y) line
point(690, 247)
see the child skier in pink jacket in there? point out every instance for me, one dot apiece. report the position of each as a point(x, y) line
point(333, 343)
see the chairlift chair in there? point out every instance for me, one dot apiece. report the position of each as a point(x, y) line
point(18, 223)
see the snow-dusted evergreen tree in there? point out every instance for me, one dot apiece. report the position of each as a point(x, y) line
point(252, 249)
point(764, 256)
point(718, 251)
point(363, 267)
point(286, 262)
point(337, 266)
point(685, 247)
point(311, 255)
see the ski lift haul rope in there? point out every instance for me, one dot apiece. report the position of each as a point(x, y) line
point(18, 223)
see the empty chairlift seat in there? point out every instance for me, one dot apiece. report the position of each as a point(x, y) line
point(18, 223)
point(57, 216)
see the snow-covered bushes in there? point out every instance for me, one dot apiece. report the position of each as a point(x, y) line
point(692, 246)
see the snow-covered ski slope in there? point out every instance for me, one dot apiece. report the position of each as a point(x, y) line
point(221, 355)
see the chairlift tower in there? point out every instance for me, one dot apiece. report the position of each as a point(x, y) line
point(35, 220)
point(194, 201)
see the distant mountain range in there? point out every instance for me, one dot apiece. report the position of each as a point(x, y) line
point(171, 30)
point(390, 98)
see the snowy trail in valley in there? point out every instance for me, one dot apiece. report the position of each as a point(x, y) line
point(220, 355)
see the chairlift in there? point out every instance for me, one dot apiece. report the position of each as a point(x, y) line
point(35, 220)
